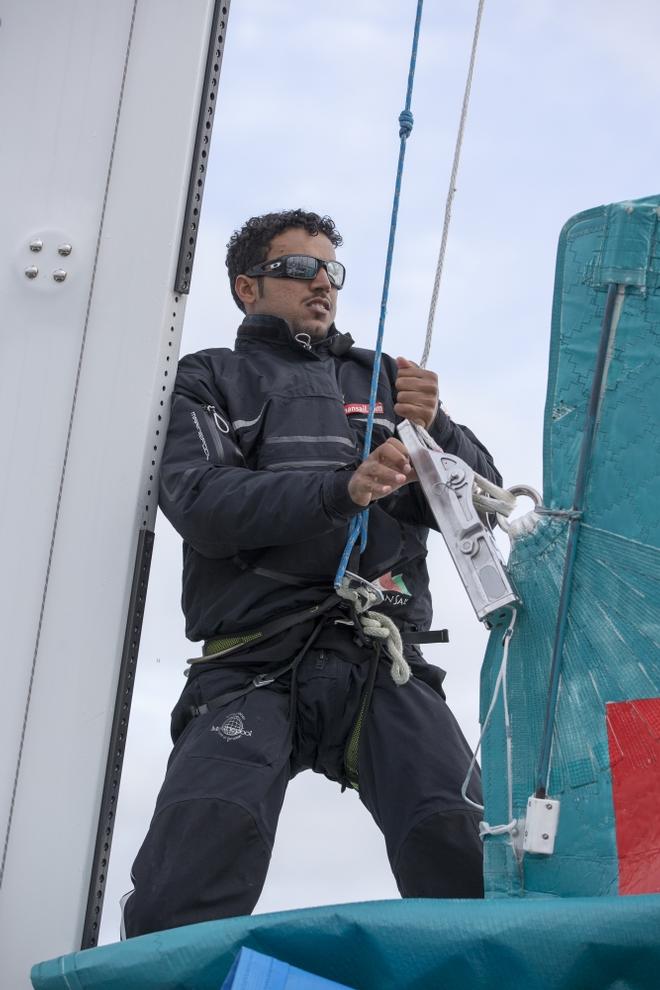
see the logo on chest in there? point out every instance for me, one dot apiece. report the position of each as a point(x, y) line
point(362, 408)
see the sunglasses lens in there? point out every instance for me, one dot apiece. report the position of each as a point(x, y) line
point(301, 266)
point(336, 272)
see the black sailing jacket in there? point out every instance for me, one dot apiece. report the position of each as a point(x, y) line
point(261, 445)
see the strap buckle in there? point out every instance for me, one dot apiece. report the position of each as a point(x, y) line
point(363, 593)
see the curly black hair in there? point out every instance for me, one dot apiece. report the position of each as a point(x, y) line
point(249, 245)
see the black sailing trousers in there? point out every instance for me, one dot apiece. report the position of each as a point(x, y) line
point(207, 851)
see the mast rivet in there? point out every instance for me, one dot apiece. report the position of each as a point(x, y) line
point(31, 272)
point(64, 249)
point(59, 274)
point(36, 245)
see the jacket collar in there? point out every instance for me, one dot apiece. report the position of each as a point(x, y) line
point(275, 330)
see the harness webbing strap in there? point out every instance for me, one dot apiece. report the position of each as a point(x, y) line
point(352, 751)
point(432, 636)
point(261, 680)
point(223, 646)
point(214, 646)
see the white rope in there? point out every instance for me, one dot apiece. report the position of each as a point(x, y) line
point(486, 829)
point(377, 626)
point(362, 595)
point(489, 497)
point(452, 188)
point(499, 683)
point(382, 627)
point(523, 526)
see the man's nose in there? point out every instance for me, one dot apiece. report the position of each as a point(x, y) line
point(321, 279)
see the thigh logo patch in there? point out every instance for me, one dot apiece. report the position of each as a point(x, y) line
point(232, 728)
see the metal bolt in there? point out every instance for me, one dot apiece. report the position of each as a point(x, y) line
point(549, 807)
point(32, 272)
point(545, 835)
point(59, 274)
point(64, 249)
point(36, 245)
point(467, 546)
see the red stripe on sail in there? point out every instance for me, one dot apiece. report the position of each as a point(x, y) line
point(633, 730)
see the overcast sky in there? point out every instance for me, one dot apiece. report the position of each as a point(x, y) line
point(563, 117)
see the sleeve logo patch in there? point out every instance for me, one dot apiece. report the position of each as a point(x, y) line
point(202, 438)
point(351, 408)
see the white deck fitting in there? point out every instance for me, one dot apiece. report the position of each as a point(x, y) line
point(98, 112)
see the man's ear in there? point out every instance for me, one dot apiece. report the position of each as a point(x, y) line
point(246, 289)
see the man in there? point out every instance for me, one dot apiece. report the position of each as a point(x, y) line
point(261, 476)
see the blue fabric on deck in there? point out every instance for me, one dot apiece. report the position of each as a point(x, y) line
point(254, 971)
point(545, 944)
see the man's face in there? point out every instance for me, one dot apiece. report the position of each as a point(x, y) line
point(308, 305)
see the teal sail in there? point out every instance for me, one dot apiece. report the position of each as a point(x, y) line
point(605, 736)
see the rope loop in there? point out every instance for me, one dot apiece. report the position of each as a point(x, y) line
point(361, 594)
point(511, 828)
point(406, 121)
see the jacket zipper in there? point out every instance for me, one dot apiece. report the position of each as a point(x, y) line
point(220, 423)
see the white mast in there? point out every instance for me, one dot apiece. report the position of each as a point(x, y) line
point(105, 114)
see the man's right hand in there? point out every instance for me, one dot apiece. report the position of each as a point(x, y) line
point(386, 468)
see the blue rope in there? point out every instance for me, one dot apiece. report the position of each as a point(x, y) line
point(359, 525)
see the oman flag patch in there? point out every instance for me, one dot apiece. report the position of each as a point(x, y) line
point(396, 592)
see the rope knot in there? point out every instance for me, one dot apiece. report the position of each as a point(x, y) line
point(406, 121)
point(380, 626)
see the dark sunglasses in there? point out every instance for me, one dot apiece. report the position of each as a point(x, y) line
point(300, 266)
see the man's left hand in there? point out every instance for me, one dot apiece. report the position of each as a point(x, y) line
point(416, 393)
